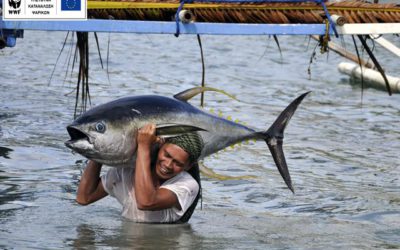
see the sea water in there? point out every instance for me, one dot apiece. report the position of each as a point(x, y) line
point(342, 145)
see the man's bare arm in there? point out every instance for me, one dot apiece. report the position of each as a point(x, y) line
point(90, 187)
point(148, 196)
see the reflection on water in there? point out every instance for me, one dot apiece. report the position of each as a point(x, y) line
point(342, 157)
point(12, 195)
point(134, 235)
point(4, 152)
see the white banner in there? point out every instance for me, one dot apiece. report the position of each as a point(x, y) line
point(44, 9)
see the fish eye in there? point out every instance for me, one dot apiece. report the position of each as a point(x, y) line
point(100, 127)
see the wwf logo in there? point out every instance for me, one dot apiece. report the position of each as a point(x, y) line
point(14, 3)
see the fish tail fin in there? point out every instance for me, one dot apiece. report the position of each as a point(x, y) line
point(274, 138)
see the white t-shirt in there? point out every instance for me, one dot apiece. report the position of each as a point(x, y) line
point(119, 183)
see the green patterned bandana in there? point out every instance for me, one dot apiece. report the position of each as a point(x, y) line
point(192, 143)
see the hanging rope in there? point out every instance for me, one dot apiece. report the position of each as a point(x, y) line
point(203, 73)
point(376, 63)
point(177, 18)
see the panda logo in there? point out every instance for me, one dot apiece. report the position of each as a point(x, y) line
point(14, 3)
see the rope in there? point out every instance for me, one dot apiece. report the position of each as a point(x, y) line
point(203, 72)
point(331, 22)
point(177, 19)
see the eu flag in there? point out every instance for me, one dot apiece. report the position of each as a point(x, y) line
point(74, 5)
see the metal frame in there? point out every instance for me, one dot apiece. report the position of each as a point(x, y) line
point(8, 28)
point(160, 27)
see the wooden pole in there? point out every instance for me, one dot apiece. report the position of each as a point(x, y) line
point(345, 53)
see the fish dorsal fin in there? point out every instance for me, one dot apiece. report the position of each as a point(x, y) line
point(190, 93)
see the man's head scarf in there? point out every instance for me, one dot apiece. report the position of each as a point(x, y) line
point(192, 143)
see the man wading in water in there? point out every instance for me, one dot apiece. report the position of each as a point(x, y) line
point(161, 188)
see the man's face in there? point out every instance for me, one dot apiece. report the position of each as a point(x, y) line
point(171, 160)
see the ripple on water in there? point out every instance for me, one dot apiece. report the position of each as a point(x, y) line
point(390, 237)
point(13, 196)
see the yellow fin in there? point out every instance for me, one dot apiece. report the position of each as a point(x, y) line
point(211, 174)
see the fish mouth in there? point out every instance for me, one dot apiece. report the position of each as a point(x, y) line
point(76, 135)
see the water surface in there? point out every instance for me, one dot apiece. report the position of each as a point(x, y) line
point(342, 149)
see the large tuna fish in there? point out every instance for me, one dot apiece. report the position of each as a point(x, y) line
point(107, 133)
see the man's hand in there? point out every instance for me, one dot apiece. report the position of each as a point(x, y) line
point(147, 135)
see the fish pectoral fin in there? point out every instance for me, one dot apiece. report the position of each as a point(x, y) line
point(190, 93)
point(172, 129)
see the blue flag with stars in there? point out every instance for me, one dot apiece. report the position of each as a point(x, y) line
point(70, 5)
